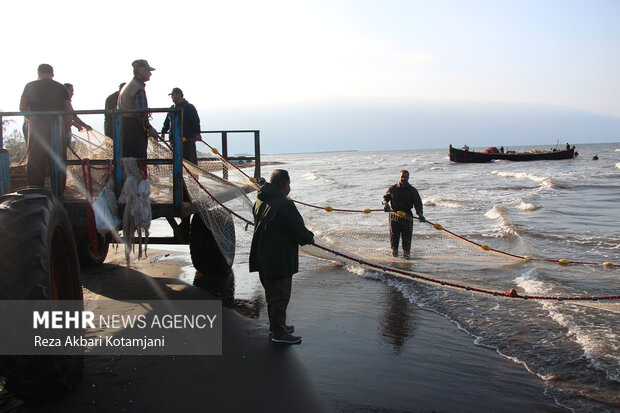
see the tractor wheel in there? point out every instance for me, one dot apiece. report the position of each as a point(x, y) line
point(38, 261)
point(85, 252)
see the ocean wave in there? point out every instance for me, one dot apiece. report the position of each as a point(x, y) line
point(498, 213)
point(527, 206)
point(521, 175)
point(597, 344)
point(531, 285)
point(324, 180)
point(618, 164)
point(545, 182)
point(445, 203)
point(548, 184)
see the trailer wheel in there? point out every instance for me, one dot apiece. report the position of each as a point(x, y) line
point(206, 255)
point(85, 252)
point(38, 261)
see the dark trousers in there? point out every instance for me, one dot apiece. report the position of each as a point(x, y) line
point(401, 227)
point(41, 156)
point(134, 139)
point(277, 295)
point(189, 151)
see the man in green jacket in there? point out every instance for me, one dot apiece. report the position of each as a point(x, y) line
point(279, 230)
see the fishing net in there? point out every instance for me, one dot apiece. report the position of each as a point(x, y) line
point(223, 195)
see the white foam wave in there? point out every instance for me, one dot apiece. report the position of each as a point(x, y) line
point(596, 343)
point(618, 164)
point(364, 273)
point(446, 203)
point(521, 175)
point(547, 184)
point(498, 213)
point(313, 176)
point(531, 285)
point(527, 206)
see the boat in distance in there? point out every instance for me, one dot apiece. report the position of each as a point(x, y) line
point(467, 156)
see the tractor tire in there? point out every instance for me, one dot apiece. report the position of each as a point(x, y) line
point(85, 252)
point(206, 255)
point(38, 261)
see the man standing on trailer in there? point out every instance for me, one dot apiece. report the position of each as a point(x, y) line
point(136, 125)
point(44, 94)
point(278, 231)
point(191, 124)
point(110, 103)
point(76, 121)
point(402, 196)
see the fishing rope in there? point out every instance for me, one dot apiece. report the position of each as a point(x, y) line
point(438, 227)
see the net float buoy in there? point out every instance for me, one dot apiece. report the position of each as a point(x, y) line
point(438, 227)
point(215, 151)
point(328, 209)
point(485, 247)
point(608, 264)
point(253, 180)
point(563, 261)
point(367, 211)
point(401, 214)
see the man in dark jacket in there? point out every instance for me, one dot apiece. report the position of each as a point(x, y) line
point(279, 230)
point(110, 103)
point(403, 197)
point(191, 124)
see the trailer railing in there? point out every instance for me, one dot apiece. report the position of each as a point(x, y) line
point(175, 137)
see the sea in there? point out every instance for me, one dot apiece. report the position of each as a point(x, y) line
point(568, 209)
point(555, 210)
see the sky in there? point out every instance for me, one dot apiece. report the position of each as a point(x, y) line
point(340, 74)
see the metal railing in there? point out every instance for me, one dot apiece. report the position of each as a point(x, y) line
point(175, 138)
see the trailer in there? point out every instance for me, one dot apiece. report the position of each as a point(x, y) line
point(46, 238)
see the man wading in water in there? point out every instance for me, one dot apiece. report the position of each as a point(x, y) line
point(403, 197)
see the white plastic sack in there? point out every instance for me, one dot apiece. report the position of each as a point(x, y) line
point(105, 219)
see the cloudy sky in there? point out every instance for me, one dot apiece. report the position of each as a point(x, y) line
point(341, 74)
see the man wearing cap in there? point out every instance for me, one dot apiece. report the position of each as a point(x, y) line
point(110, 103)
point(44, 94)
point(191, 124)
point(136, 125)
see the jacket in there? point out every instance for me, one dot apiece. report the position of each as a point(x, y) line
point(191, 121)
point(403, 198)
point(278, 231)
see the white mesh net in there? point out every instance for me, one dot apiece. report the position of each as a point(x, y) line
point(223, 195)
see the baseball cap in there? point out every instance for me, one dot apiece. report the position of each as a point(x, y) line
point(176, 90)
point(141, 63)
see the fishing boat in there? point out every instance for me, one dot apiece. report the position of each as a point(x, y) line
point(467, 156)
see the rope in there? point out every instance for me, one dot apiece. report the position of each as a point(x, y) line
point(509, 294)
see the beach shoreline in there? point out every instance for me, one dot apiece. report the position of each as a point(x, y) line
point(365, 348)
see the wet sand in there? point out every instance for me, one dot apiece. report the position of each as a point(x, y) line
point(365, 348)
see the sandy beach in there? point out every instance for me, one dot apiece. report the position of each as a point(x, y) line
point(365, 348)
